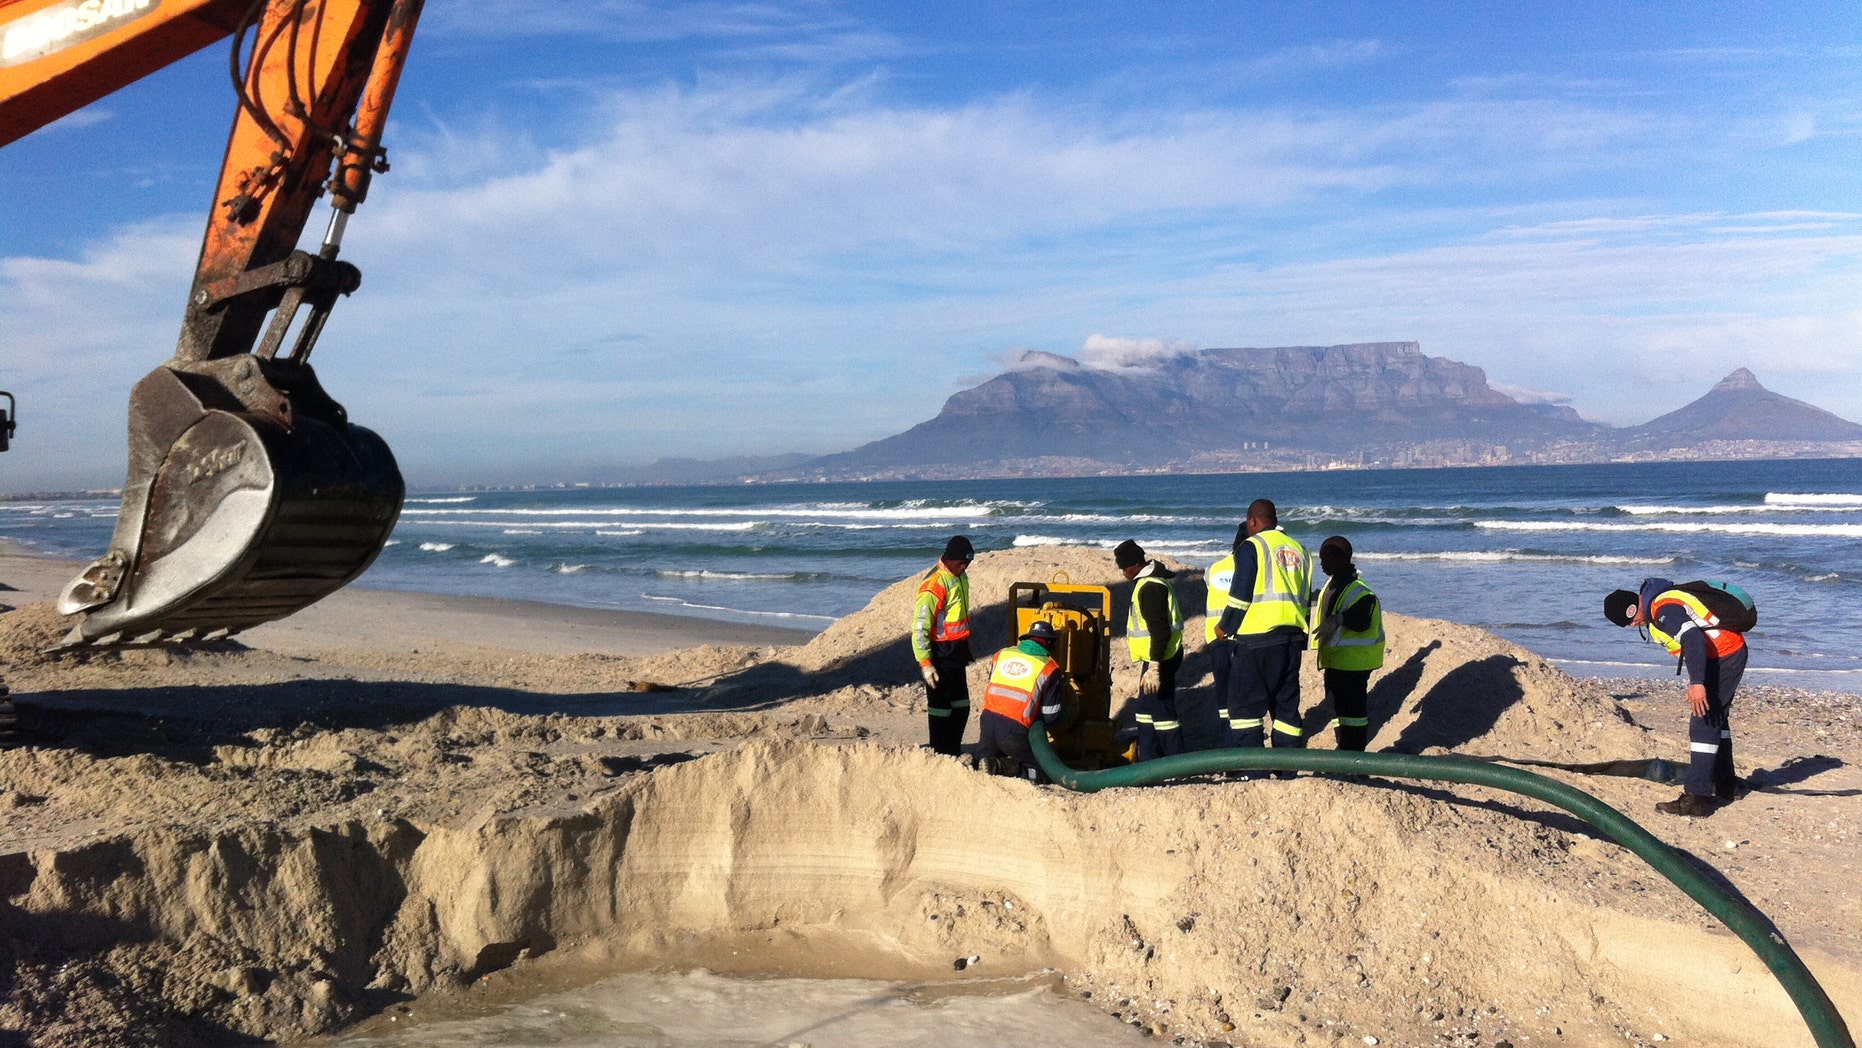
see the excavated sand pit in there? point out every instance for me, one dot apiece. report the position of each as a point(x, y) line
point(275, 841)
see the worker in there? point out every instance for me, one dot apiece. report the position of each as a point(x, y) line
point(1025, 685)
point(1154, 634)
point(1715, 660)
point(1221, 650)
point(1348, 628)
point(1267, 616)
point(941, 641)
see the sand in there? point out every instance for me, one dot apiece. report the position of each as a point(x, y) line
point(397, 806)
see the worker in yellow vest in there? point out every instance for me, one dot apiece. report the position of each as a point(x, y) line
point(941, 643)
point(1348, 629)
point(1220, 650)
point(1154, 633)
point(1267, 616)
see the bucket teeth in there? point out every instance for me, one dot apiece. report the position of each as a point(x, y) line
point(193, 637)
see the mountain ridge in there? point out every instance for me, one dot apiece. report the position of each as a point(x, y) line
point(1195, 404)
point(1298, 407)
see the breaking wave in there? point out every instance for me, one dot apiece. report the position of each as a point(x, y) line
point(1846, 501)
point(1847, 531)
point(1503, 555)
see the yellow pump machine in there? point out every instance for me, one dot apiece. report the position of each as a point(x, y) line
point(1082, 618)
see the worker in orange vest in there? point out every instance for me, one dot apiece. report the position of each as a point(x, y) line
point(1025, 685)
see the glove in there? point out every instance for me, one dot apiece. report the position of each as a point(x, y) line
point(930, 675)
point(1147, 684)
point(1329, 627)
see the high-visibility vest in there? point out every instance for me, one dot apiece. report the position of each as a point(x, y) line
point(1720, 642)
point(1014, 680)
point(1350, 649)
point(941, 613)
point(1282, 570)
point(1139, 638)
point(1221, 576)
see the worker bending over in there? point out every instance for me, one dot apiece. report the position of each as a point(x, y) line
point(1154, 633)
point(941, 641)
point(1348, 628)
point(1715, 660)
point(1025, 685)
point(1267, 616)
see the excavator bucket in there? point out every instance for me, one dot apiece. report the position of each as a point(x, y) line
point(249, 497)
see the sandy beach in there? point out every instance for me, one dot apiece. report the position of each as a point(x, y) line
point(399, 806)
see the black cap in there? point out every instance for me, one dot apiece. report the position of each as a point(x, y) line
point(1620, 607)
point(1041, 630)
point(959, 548)
point(1127, 554)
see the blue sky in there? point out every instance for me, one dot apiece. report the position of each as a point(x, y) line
point(618, 231)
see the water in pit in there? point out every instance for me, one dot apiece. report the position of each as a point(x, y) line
point(694, 1009)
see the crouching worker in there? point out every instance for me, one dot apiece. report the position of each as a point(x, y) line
point(1025, 685)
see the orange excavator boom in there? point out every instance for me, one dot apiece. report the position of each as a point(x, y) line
point(249, 493)
point(58, 56)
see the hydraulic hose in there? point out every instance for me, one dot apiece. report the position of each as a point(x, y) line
point(1820, 1015)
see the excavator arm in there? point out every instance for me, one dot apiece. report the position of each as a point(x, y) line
point(249, 494)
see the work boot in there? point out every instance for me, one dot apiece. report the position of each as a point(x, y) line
point(1689, 806)
point(1003, 765)
point(1726, 792)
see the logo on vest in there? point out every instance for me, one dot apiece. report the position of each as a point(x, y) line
point(1288, 557)
point(1016, 669)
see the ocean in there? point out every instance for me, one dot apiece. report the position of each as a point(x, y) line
point(1527, 552)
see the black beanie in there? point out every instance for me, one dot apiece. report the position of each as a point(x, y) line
point(959, 548)
point(1127, 554)
point(1619, 607)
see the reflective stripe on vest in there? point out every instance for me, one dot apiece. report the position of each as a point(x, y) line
point(1013, 682)
point(1350, 649)
point(1282, 574)
point(1719, 642)
point(948, 611)
point(1220, 577)
point(1139, 638)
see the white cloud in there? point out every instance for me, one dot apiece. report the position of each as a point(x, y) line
point(1294, 61)
point(1108, 352)
point(1799, 127)
point(1531, 396)
point(789, 264)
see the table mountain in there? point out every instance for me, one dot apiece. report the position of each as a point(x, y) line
point(1178, 409)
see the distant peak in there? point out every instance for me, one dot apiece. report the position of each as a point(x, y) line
point(1741, 379)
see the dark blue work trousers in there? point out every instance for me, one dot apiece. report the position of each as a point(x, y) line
point(1710, 738)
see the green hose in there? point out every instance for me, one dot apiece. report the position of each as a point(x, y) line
point(1826, 1024)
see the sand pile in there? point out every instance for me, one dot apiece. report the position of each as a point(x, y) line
point(245, 843)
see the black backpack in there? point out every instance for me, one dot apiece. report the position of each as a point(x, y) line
point(1730, 604)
